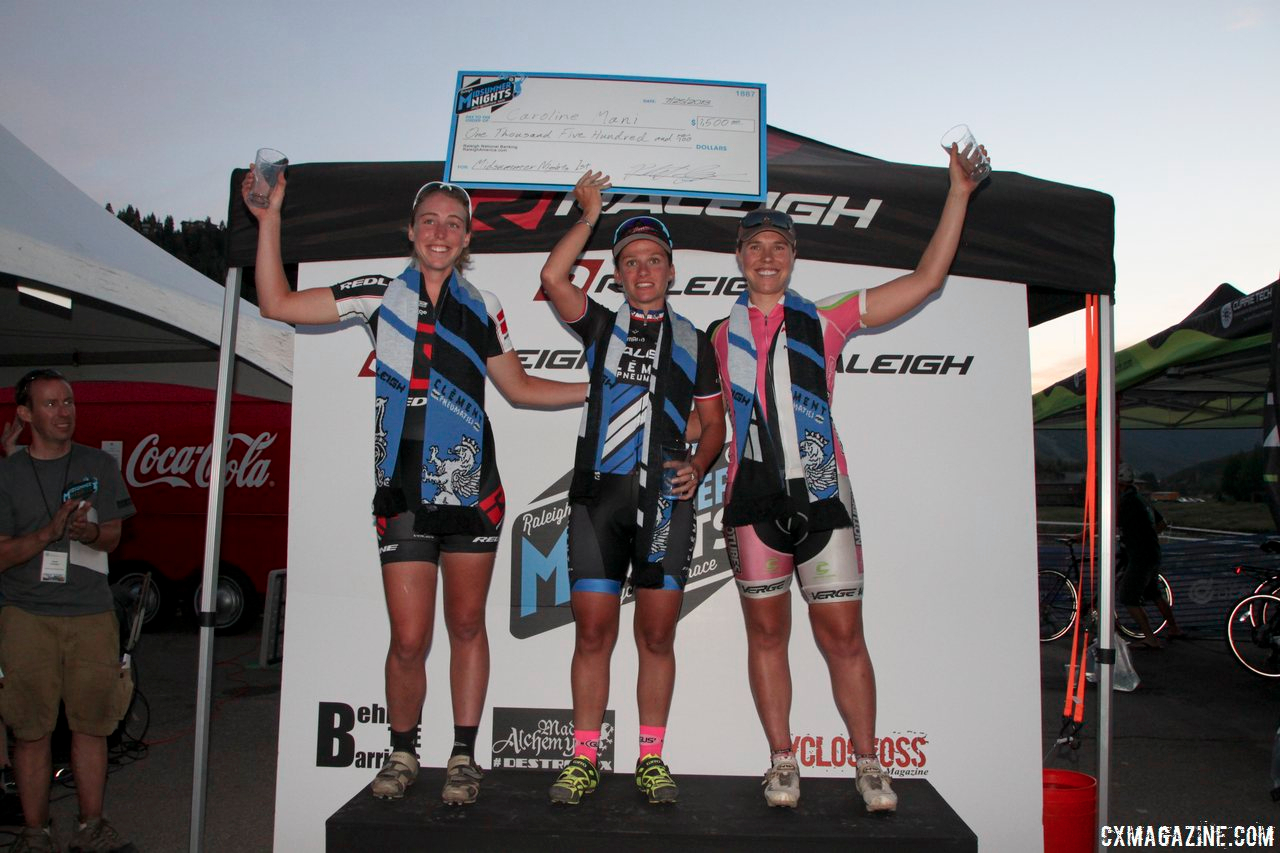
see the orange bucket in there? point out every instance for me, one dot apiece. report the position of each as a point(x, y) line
point(1070, 812)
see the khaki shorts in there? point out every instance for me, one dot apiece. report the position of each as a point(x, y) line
point(72, 659)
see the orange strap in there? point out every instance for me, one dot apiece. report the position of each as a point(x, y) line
point(1073, 705)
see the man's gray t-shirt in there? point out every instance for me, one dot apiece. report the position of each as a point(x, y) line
point(30, 492)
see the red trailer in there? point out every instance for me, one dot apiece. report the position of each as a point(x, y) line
point(161, 436)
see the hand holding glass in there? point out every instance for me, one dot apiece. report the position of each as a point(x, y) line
point(267, 167)
point(962, 138)
point(675, 455)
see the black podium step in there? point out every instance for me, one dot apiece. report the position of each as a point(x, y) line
point(714, 813)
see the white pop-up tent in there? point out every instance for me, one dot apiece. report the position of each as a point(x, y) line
point(138, 313)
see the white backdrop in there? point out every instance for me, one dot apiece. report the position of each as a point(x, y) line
point(942, 470)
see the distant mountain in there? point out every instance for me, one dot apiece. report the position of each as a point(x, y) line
point(1166, 453)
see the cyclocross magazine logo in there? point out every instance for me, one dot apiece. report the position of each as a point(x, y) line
point(540, 556)
point(542, 739)
point(900, 753)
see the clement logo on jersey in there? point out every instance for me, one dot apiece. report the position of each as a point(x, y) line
point(540, 556)
point(542, 739)
point(900, 753)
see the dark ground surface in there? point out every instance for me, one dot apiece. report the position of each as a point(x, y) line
point(1191, 745)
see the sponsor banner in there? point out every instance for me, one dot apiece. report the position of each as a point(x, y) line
point(540, 556)
point(542, 739)
point(902, 754)
point(935, 506)
point(352, 736)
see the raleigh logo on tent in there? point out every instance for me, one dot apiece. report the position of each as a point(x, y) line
point(540, 556)
point(493, 94)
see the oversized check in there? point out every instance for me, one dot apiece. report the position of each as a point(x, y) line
point(691, 138)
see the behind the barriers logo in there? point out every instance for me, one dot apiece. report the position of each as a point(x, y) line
point(900, 753)
point(540, 556)
point(341, 729)
point(542, 739)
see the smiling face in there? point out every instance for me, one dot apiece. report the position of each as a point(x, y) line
point(51, 412)
point(440, 232)
point(646, 271)
point(766, 260)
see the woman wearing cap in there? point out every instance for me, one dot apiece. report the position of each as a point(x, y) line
point(789, 508)
point(438, 499)
point(649, 369)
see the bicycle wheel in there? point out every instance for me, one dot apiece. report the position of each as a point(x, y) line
point(1057, 605)
point(1125, 623)
point(1253, 634)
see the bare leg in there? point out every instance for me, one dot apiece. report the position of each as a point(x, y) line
point(595, 619)
point(466, 588)
point(1139, 614)
point(89, 766)
point(33, 769)
point(837, 628)
point(657, 611)
point(768, 622)
point(411, 605)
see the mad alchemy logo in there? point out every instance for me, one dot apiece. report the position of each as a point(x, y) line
point(542, 739)
point(540, 556)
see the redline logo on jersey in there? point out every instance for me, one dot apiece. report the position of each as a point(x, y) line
point(900, 753)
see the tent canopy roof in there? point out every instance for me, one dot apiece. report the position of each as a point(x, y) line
point(1208, 371)
point(135, 305)
point(1054, 238)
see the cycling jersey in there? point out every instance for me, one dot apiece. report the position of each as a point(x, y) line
point(765, 554)
point(361, 298)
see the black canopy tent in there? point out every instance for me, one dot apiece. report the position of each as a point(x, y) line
point(1057, 240)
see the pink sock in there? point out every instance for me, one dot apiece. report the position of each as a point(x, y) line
point(651, 738)
point(586, 744)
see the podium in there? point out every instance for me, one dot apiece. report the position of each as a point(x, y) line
point(715, 813)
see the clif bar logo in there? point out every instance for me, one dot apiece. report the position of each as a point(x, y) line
point(901, 754)
point(540, 556)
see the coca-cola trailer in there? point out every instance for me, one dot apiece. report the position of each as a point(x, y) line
point(161, 436)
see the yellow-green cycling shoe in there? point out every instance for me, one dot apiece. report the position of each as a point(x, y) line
point(654, 780)
point(578, 777)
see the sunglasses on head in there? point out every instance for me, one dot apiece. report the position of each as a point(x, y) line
point(22, 392)
point(641, 225)
point(772, 218)
point(452, 190)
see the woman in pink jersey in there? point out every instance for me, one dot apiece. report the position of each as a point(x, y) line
point(789, 509)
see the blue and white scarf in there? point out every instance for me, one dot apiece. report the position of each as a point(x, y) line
point(670, 392)
point(800, 448)
point(453, 459)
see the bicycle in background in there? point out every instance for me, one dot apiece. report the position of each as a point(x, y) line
point(1253, 624)
point(1059, 600)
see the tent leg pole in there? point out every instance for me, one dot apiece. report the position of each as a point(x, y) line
point(212, 541)
point(1107, 504)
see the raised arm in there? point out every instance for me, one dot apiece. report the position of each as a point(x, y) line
point(275, 299)
point(557, 282)
point(891, 300)
point(521, 389)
